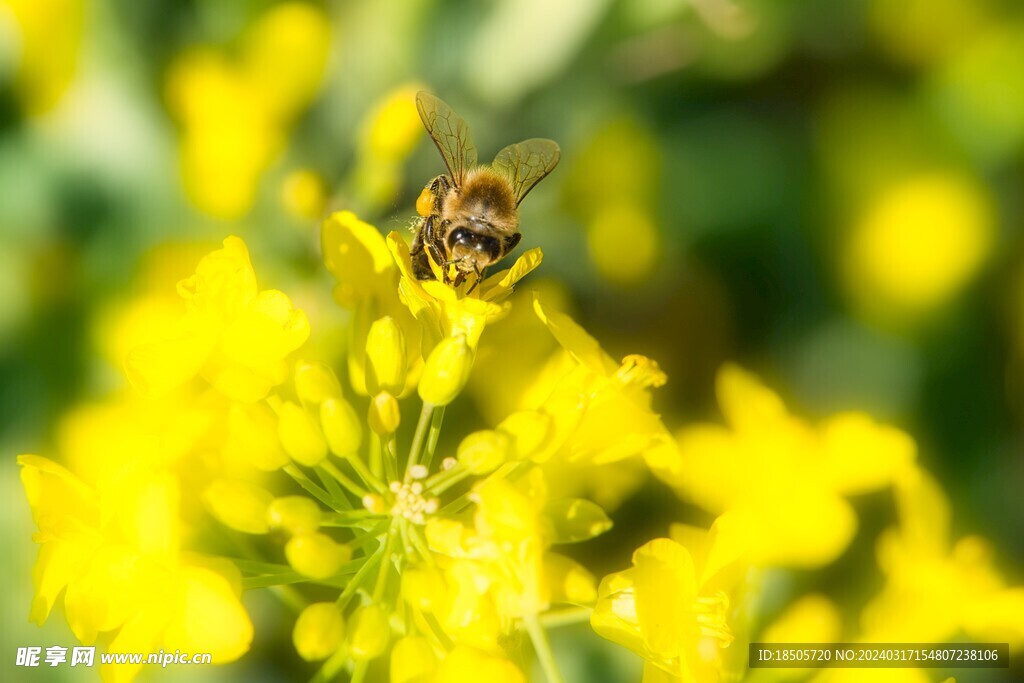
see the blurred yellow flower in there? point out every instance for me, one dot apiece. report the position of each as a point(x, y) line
point(918, 245)
point(935, 588)
point(671, 608)
point(232, 334)
point(236, 113)
point(388, 134)
point(778, 483)
point(116, 557)
point(49, 35)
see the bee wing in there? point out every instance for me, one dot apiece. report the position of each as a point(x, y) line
point(527, 163)
point(450, 133)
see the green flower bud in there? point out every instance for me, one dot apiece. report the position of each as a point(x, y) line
point(446, 371)
point(370, 632)
point(300, 435)
point(484, 451)
point(342, 427)
point(385, 355)
point(316, 555)
point(385, 414)
point(319, 631)
point(295, 514)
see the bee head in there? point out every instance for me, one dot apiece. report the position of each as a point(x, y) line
point(464, 243)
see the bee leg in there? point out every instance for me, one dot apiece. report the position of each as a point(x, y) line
point(460, 278)
point(511, 241)
point(479, 277)
point(439, 188)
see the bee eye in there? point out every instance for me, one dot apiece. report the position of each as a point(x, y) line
point(483, 244)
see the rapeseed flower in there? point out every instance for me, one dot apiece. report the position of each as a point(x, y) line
point(672, 606)
point(779, 484)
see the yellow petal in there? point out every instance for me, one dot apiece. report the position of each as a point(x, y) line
point(158, 368)
point(209, 617)
point(500, 284)
point(576, 340)
point(357, 255)
point(746, 403)
point(861, 455)
point(665, 587)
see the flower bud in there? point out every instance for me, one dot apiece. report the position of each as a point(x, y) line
point(319, 631)
point(412, 660)
point(239, 505)
point(316, 555)
point(341, 425)
point(315, 382)
point(423, 587)
point(294, 514)
point(385, 414)
point(446, 371)
point(385, 356)
point(484, 451)
point(300, 435)
point(370, 632)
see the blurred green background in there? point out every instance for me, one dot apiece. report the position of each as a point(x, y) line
point(828, 193)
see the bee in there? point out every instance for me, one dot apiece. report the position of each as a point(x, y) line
point(469, 218)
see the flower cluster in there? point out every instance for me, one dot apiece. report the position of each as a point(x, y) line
point(233, 463)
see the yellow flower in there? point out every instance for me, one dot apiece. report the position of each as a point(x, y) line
point(359, 258)
point(232, 334)
point(502, 563)
point(936, 588)
point(49, 35)
point(670, 609)
point(918, 246)
point(600, 409)
point(236, 113)
point(778, 483)
point(447, 311)
point(116, 557)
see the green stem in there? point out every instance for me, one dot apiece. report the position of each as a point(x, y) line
point(566, 617)
point(376, 465)
point(343, 479)
point(365, 474)
point(331, 667)
point(385, 565)
point(543, 649)
point(435, 432)
point(418, 438)
point(357, 580)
